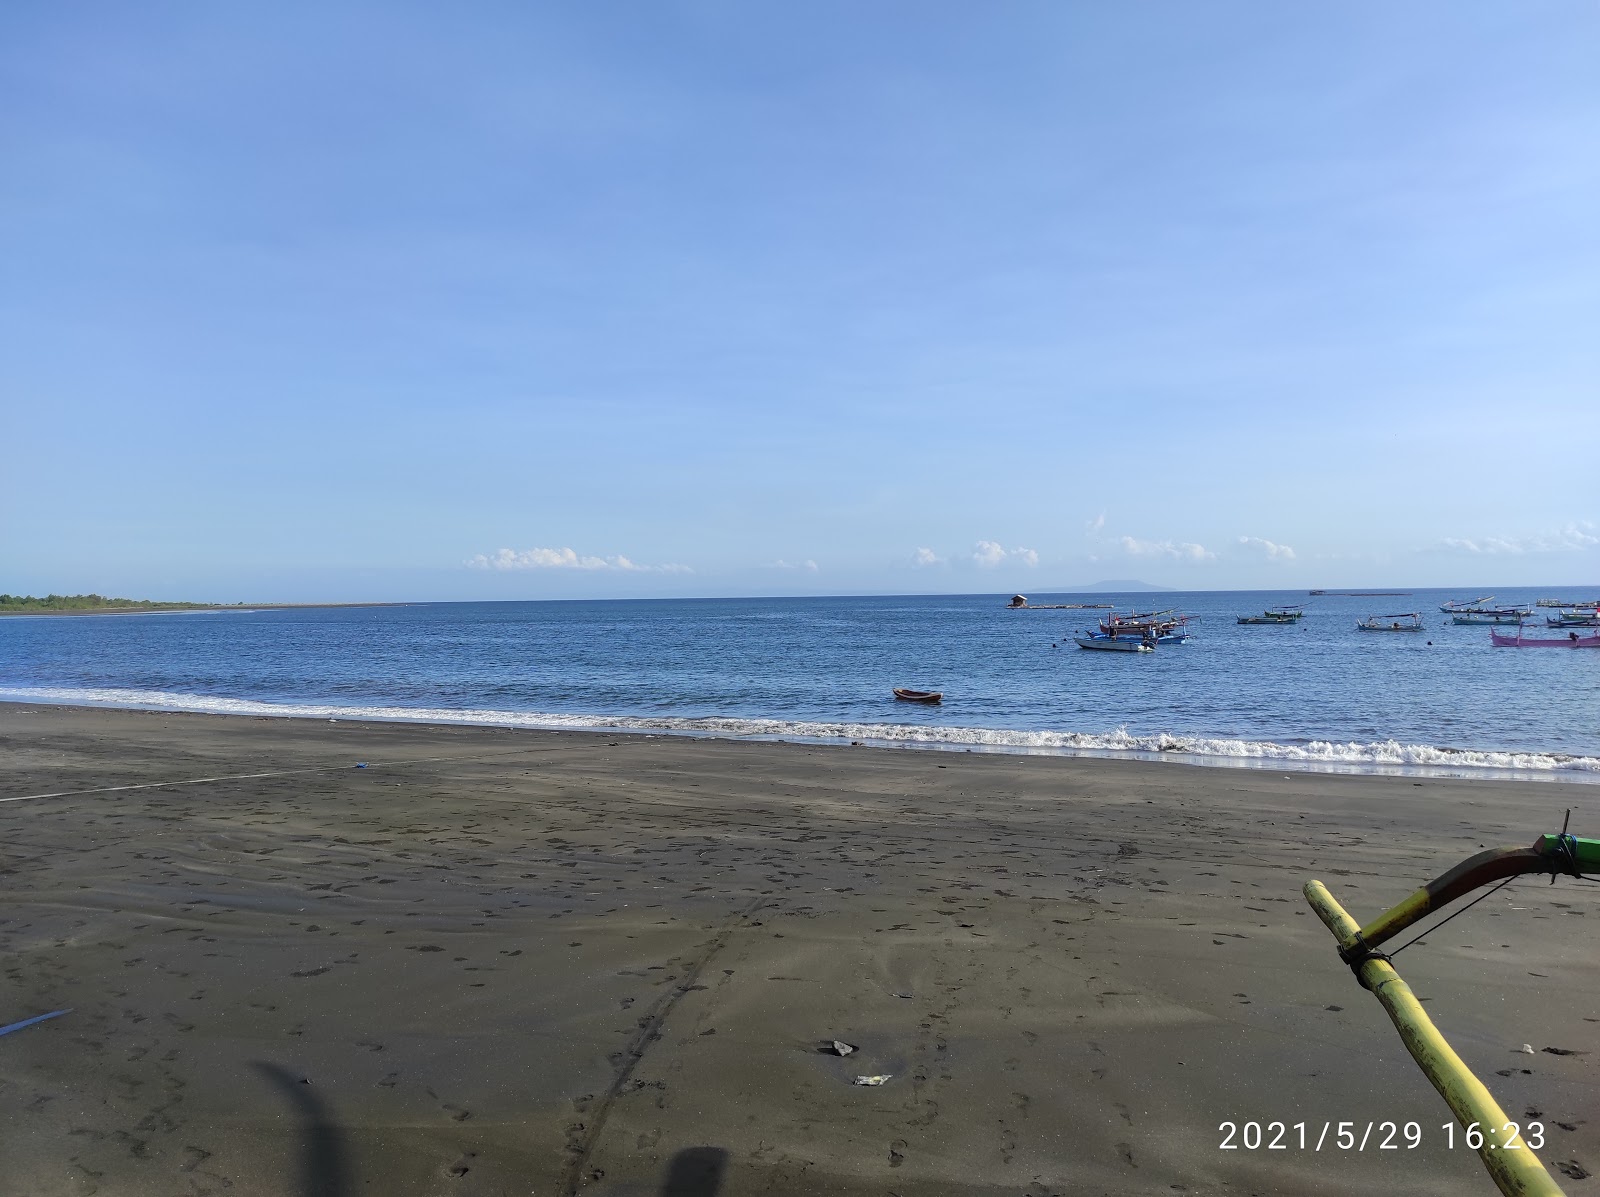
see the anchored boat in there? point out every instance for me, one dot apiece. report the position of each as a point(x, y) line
point(925, 696)
point(1409, 622)
point(1106, 642)
point(1572, 640)
point(1275, 615)
point(1497, 615)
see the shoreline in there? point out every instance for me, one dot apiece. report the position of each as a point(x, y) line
point(1377, 759)
point(202, 609)
point(499, 961)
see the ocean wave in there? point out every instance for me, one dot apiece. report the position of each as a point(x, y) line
point(1317, 755)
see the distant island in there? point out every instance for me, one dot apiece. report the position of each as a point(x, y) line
point(99, 604)
point(92, 602)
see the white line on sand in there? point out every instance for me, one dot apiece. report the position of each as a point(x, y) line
point(195, 781)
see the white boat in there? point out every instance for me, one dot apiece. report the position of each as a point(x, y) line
point(1114, 644)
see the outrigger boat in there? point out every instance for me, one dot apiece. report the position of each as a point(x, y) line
point(1476, 604)
point(1572, 640)
point(1392, 623)
point(1164, 626)
point(1275, 615)
point(1489, 1130)
point(1581, 618)
point(1498, 615)
point(1106, 642)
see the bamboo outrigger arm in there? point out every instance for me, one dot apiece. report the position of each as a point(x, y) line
point(1518, 1173)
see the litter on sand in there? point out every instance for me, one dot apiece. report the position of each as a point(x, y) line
point(28, 1022)
point(841, 1048)
point(882, 1079)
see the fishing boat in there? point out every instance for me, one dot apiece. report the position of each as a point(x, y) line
point(1476, 604)
point(1411, 621)
point(1498, 615)
point(1165, 627)
point(1557, 602)
point(924, 696)
point(1116, 644)
point(1582, 618)
point(1571, 640)
point(1275, 615)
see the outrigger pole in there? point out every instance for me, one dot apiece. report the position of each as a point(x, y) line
point(1517, 1173)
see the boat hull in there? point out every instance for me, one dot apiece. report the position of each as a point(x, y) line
point(1500, 641)
point(1113, 644)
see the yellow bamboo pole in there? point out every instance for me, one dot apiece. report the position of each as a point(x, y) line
point(1517, 1171)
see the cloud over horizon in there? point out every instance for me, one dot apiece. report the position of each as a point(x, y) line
point(565, 558)
point(1573, 537)
point(1175, 551)
point(1274, 552)
point(989, 555)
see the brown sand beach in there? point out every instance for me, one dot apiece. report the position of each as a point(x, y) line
point(513, 962)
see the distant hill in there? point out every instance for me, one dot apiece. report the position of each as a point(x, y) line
point(1114, 586)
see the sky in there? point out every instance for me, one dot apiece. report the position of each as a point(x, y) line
point(336, 301)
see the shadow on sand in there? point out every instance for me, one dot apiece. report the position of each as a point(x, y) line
point(695, 1172)
point(322, 1163)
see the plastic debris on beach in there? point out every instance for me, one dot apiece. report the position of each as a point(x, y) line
point(841, 1048)
point(361, 764)
point(873, 1081)
point(28, 1022)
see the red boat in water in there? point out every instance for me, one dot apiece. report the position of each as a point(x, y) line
point(1572, 640)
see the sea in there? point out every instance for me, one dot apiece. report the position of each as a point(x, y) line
point(1317, 695)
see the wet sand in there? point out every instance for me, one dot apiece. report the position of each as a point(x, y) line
point(513, 962)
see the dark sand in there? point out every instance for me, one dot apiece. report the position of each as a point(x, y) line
point(559, 962)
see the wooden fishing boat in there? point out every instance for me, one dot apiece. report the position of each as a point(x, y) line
point(1275, 615)
point(1476, 604)
point(1104, 642)
point(925, 696)
point(1411, 621)
point(1162, 626)
point(1571, 640)
point(1499, 615)
point(1582, 618)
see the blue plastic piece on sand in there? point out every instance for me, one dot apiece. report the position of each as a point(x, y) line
point(28, 1022)
point(361, 764)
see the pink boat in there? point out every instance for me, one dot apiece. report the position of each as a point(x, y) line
point(1573, 640)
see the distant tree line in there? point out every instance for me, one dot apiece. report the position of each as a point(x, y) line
point(79, 602)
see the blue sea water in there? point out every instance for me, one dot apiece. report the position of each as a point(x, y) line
point(1319, 694)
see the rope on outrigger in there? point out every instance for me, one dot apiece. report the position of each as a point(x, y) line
point(1517, 1173)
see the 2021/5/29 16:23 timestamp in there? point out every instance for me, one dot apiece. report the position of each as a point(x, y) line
point(1374, 1136)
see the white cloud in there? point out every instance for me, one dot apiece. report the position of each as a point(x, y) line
point(925, 557)
point(506, 559)
point(808, 565)
point(989, 554)
point(1096, 524)
point(1166, 548)
point(1569, 539)
point(1274, 552)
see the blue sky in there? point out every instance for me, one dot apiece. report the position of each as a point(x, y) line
point(504, 301)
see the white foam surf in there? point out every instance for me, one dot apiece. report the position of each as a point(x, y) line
point(1316, 755)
